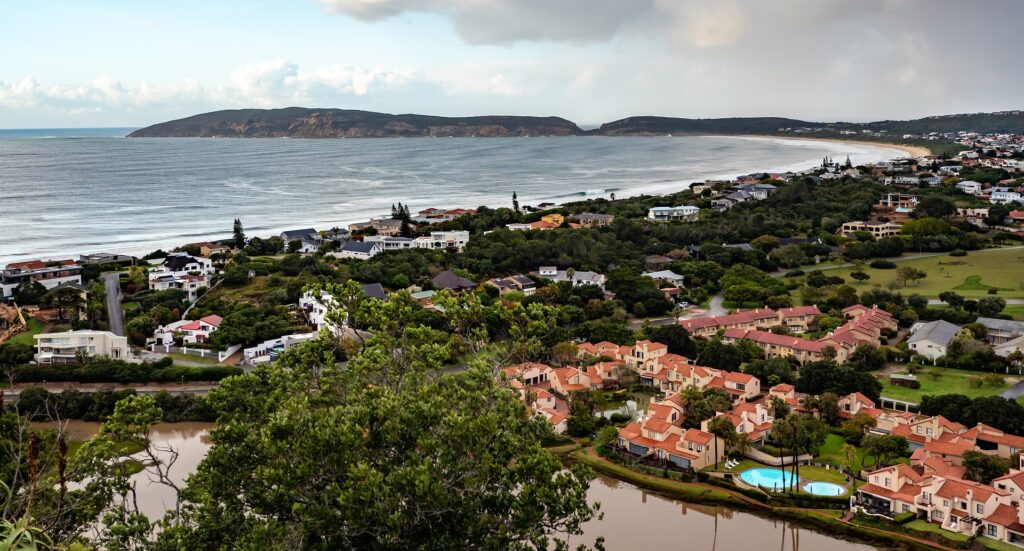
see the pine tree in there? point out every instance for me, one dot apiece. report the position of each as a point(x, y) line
point(515, 202)
point(239, 235)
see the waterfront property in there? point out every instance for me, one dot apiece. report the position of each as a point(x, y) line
point(187, 331)
point(68, 347)
point(48, 273)
point(680, 213)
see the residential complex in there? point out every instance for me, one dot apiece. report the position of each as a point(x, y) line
point(67, 348)
point(48, 273)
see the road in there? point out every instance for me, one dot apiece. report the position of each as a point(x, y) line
point(935, 301)
point(112, 286)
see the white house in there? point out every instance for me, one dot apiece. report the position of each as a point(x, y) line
point(441, 240)
point(667, 276)
point(358, 249)
point(577, 278)
point(181, 264)
point(269, 350)
point(969, 186)
point(665, 214)
point(1003, 196)
point(64, 348)
point(931, 339)
point(49, 274)
point(190, 331)
point(191, 284)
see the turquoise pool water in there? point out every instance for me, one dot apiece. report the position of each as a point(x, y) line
point(768, 478)
point(824, 489)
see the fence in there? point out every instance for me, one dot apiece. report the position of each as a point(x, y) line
point(220, 355)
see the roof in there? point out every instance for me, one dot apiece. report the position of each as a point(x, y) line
point(359, 247)
point(663, 274)
point(449, 280)
point(299, 234)
point(373, 290)
point(939, 332)
point(1002, 325)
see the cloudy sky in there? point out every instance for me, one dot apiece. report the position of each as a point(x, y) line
point(75, 63)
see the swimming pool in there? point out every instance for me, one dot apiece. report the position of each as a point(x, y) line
point(824, 489)
point(767, 478)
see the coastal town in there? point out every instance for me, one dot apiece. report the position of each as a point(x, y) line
point(847, 339)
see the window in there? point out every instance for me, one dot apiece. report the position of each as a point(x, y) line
point(945, 503)
point(906, 508)
point(992, 530)
point(887, 482)
point(979, 508)
point(937, 515)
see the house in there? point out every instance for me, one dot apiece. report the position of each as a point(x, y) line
point(361, 250)
point(209, 249)
point(592, 220)
point(374, 290)
point(48, 273)
point(65, 348)
point(665, 214)
point(182, 264)
point(107, 258)
point(799, 319)
point(1014, 218)
point(878, 230)
point(193, 285)
point(932, 339)
point(570, 275)
point(389, 242)
point(307, 237)
point(969, 186)
point(656, 438)
point(666, 277)
point(1007, 348)
point(1002, 196)
point(855, 403)
point(898, 202)
point(271, 350)
point(999, 331)
point(442, 240)
point(554, 219)
point(516, 283)
point(455, 283)
point(655, 262)
point(187, 331)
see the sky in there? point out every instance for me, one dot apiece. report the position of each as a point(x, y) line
point(130, 63)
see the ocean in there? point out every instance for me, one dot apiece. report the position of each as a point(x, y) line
point(70, 192)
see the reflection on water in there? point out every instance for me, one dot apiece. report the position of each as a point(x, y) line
point(190, 440)
point(633, 518)
point(636, 519)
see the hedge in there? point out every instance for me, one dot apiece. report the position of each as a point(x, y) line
point(115, 371)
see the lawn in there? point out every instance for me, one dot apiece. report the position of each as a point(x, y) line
point(807, 474)
point(938, 380)
point(1015, 311)
point(925, 526)
point(971, 276)
point(34, 328)
point(832, 452)
point(179, 358)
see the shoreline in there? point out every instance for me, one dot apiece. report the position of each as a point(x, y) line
point(912, 150)
point(869, 152)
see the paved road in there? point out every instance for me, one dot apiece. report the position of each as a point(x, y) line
point(715, 307)
point(1014, 392)
point(11, 394)
point(1008, 300)
point(112, 286)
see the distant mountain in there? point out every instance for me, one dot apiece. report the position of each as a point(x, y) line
point(300, 122)
point(1006, 121)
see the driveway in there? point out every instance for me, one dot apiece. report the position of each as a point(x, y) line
point(1014, 392)
point(112, 286)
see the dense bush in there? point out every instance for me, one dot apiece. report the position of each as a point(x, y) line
point(883, 264)
point(39, 404)
point(115, 371)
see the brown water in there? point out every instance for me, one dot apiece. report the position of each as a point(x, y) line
point(637, 519)
point(632, 518)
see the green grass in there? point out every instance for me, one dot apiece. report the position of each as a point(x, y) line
point(1015, 311)
point(34, 328)
point(807, 474)
point(949, 381)
point(998, 545)
point(971, 276)
point(925, 526)
point(178, 357)
point(832, 452)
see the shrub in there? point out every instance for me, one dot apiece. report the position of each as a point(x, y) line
point(958, 252)
point(904, 518)
point(881, 264)
point(115, 371)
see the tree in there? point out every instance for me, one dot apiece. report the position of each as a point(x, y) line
point(828, 407)
point(719, 355)
point(907, 274)
point(884, 448)
point(294, 246)
point(983, 468)
point(860, 276)
point(238, 235)
point(954, 300)
point(935, 206)
point(990, 306)
point(723, 429)
point(29, 292)
point(66, 300)
point(358, 456)
point(856, 427)
point(515, 202)
point(674, 337)
point(703, 405)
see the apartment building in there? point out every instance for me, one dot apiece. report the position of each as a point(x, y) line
point(65, 348)
point(48, 273)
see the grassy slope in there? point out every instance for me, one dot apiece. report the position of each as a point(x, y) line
point(832, 452)
point(34, 328)
point(950, 381)
point(970, 275)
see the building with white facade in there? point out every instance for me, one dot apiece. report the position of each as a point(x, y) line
point(49, 274)
point(665, 214)
point(64, 348)
point(189, 331)
point(179, 265)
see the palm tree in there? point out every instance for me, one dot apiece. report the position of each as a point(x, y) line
point(850, 453)
point(724, 429)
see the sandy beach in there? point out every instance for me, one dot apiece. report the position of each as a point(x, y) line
point(911, 150)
